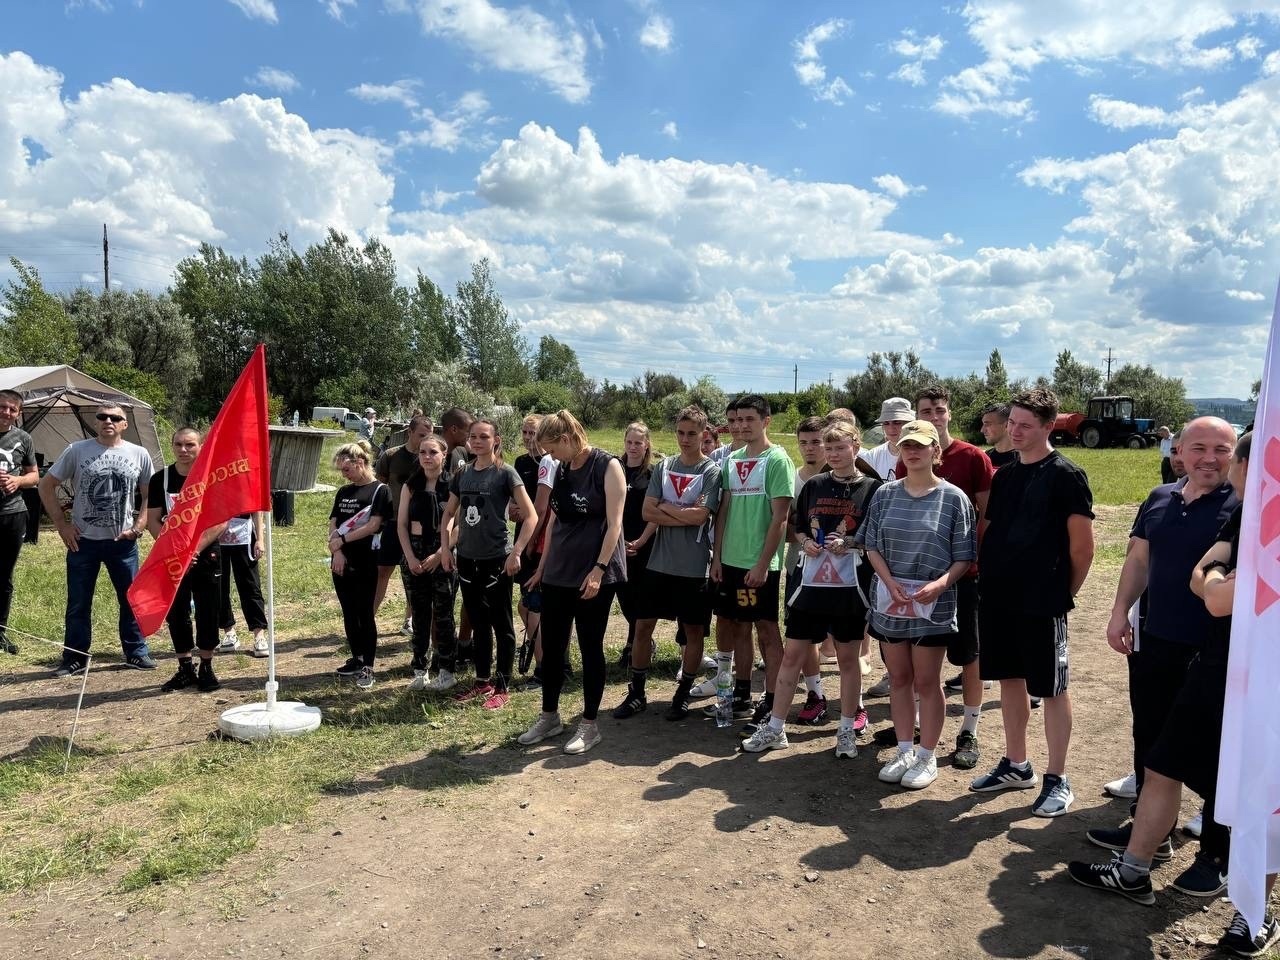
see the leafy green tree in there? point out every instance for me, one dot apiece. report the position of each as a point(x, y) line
point(1075, 382)
point(1164, 399)
point(218, 292)
point(493, 348)
point(997, 377)
point(433, 326)
point(890, 374)
point(35, 330)
point(541, 396)
point(130, 380)
point(556, 362)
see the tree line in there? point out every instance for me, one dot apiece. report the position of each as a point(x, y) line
point(342, 330)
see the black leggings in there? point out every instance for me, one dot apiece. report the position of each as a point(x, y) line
point(562, 609)
point(486, 597)
point(13, 528)
point(239, 562)
point(431, 601)
point(355, 589)
point(200, 587)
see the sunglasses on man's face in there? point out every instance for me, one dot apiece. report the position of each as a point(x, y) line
point(113, 417)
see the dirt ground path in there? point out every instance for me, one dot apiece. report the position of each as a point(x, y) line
point(662, 842)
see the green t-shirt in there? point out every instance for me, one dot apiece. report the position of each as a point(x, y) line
point(753, 483)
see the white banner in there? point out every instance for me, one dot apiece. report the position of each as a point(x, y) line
point(1249, 774)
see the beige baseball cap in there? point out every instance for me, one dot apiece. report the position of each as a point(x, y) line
point(919, 431)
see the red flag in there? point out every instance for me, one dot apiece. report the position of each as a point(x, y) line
point(231, 476)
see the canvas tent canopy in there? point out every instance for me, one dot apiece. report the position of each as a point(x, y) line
point(60, 403)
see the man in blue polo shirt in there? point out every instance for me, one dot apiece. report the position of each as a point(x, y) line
point(1175, 526)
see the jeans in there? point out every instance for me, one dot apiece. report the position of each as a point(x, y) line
point(13, 528)
point(121, 560)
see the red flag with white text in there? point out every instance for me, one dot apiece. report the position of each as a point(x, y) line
point(230, 476)
point(1248, 798)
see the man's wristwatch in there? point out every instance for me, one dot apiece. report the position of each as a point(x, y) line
point(602, 567)
point(1216, 565)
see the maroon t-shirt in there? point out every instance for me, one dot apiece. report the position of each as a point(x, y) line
point(968, 467)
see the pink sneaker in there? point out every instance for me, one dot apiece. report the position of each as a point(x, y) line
point(482, 690)
point(497, 700)
point(860, 721)
point(814, 710)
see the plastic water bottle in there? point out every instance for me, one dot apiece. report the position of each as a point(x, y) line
point(724, 698)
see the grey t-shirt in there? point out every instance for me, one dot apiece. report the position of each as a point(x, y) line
point(684, 551)
point(919, 538)
point(17, 454)
point(103, 481)
point(483, 496)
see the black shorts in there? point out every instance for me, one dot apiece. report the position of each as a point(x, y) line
point(664, 596)
point(934, 640)
point(1188, 746)
point(846, 627)
point(528, 565)
point(1019, 646)
point(736, 601)
point(389, 552)
point(962, 649)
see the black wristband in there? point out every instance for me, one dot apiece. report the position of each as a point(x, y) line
point(1216, 565)
point(602, 567)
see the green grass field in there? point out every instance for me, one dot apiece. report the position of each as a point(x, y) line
point(147, 815)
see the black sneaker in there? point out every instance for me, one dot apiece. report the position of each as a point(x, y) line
point(632, 704)
point(1035, 703)
point(1108, 878)
point(955, 683)
point(967, 753)
point(1005, 776)
point(759, 717)
point(185, 677)
point(206, 679)
point(1201, 879)
point(71, 668)
point(679, 709)
point(140, 661)
point(1117, 838)
point(1242, 943)
point(8, 646)
point(888, 737)
point(351, 668)
point(742, 709)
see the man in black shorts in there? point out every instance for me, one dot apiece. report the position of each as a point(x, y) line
point(1036, 550)
point(393, 468)
point(757, 485)
point(683, 494)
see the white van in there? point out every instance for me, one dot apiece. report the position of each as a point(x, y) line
point(341, 414)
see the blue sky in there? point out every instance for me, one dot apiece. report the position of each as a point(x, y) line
point(696, 187)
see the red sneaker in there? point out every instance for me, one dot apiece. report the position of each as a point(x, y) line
point(814, 710)
point(482, 690)
point(860, 721)
point(497, 700)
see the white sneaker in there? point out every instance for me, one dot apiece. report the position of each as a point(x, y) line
point(584, 738)
point(896, 769)
point(444, 681)
point(547, 725)
point(709, 663)
point(765, 738)
point(922, 773)
point(421, 680)
point(260, 644)
point(846, 742)
point(1126, 788)
point(229, 640)
point(703, 688)
point(406, 628)
point(1195, 825)
point(880, 688)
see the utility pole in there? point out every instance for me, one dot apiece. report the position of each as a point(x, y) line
point(106, 267)
point(1109, 359)
point(795, 375)
point(830, 380)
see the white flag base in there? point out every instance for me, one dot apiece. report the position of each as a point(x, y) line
point(260, 721)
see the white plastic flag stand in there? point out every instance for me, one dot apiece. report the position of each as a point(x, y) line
point(275, 718)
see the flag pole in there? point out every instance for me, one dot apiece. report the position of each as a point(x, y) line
point(272, 686)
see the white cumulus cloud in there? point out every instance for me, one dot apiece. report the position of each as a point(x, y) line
point(513, 39)
point(403, 92)
point(264, 10)
point(271, 78)
point(669, 129)
point(895, 186)
point(656, 32)
point(809, 69)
